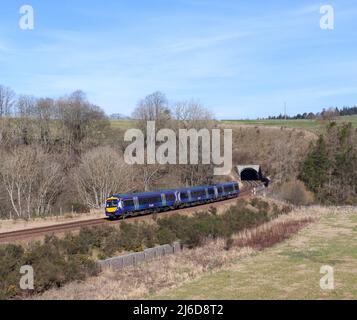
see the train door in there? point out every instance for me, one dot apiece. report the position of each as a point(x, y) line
point(136, 203)
point(189, 195)
point(178, 197)
point(215, 192)
point(163, 199)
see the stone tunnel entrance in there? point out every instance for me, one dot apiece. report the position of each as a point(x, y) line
point(249, 173)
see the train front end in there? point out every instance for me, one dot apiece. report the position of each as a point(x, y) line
point(113, 207)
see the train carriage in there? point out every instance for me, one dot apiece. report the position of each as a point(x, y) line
point(122, 204)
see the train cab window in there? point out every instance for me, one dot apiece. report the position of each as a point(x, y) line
point(211, 191)
point(112, 203)
point(220, 189)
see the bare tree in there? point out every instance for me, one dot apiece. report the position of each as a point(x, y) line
point(102, 172)
point(45, 113)
point(25, 110)
point(32, 180)
point(329, 115)
point(7, 100)
point(147, 175)
point(193, 115)
point(153, 107)
point(80, 119)
point(191, 112)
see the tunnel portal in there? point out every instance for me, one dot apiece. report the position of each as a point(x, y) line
point(249, 173)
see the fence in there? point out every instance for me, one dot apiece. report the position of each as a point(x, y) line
point(137, 257)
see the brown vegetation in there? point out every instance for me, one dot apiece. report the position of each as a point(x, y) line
point(57, 261)
point(151, 278)
point(294, 192)
point(279, 151)
point(62, 155)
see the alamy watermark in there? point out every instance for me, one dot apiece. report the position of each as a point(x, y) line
point(174, 150)
point(327, 282)
point(327, 20)
point(27, 280)
point(27, 19)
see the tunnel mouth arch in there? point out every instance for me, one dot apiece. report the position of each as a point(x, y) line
point(250, 174)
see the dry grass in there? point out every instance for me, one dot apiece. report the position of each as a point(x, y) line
point(271, 234)
point(291, 269)
point(170, 272)
point(14, 225)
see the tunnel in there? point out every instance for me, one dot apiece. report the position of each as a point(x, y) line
point(250, 174)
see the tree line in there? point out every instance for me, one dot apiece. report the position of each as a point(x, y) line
point(330, 168)
point(328, 113)
point(63, 155)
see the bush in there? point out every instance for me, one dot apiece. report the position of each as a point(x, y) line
point(193, 230)
point(165, 236)
point(58, 261)
point(260, 204)
point(53, 262)
point(296, 193)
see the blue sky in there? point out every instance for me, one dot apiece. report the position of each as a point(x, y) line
point(241, 59)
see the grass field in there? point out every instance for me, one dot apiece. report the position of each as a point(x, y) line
point(311, 125)
point(122, 124)
point(290, 270)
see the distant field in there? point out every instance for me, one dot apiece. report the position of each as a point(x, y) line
point(290, 270)
point(311, 125)
point(122, 124)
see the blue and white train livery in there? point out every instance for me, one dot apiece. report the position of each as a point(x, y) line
point(126, 204)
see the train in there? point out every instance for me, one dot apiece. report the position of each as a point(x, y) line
point(122, 205)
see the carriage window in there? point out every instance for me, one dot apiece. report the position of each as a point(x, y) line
point(151, 200)
point(199, 193)
point(211, 191)
point(228, 188)
point(128, 203)
point(184, 195)
point(170, 197)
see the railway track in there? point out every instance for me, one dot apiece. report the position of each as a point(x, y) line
point(24, 234)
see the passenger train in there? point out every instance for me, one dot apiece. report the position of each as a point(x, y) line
point(121, 205)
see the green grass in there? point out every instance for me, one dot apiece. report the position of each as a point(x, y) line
point(311, 125)
point(122, 124)
point(290, 270)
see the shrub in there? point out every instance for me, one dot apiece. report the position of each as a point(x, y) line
point(165, 236)
point(130, 237)
point(296, 193)
point(58, 261)
point(260, 204)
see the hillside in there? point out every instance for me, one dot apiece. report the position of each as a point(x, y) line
point(279, 150)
